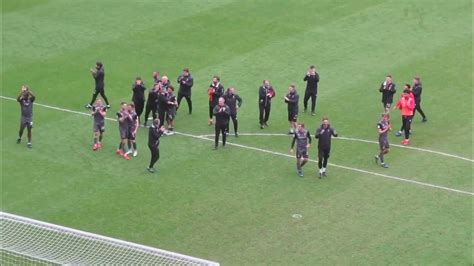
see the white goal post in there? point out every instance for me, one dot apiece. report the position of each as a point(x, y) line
point(27, 241)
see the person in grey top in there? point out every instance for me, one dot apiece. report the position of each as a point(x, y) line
point(302, 138)
point(383, 128)
point(98, 113)
point(26, 99)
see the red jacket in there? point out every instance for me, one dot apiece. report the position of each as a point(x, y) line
point(406, 105)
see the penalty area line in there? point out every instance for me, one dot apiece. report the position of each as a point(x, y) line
point(203, 137)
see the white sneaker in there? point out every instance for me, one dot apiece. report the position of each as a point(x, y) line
point(128, 152)
point(135, 153)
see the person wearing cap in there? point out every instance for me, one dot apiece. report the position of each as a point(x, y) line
point(406, 104)
point(186, 82)
point(154, 134)
point(383, 127)
point(324, 134)
point(417, 92)
point(312, 80)
point(387, 88)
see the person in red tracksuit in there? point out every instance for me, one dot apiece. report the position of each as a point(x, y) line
point(406, 104)
point(406, 89)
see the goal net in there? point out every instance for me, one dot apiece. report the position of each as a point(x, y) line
point(25, 241)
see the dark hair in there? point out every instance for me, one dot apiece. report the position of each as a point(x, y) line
point(186, 70)
point(418, 80)
point(132, 105)
point(293, 86)
point(407, 85)
point(99, 64)
point(138, 78)
point(171, 87)
point(302, 124)
point(312, 66)
point(325, 118)
point(389, 76)
point(217, 77)
point(265, 80)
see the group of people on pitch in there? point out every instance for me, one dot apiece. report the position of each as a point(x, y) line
point(223, 106)
point(409, 103)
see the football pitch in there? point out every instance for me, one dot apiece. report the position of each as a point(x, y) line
point(244, 204)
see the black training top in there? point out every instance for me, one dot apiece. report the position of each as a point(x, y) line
point(154, 134)
point(312, 82)
point(99, 76)
point(324, 136)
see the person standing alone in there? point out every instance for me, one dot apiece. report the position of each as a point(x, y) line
point(387, 88)
point(312, 80)
point(154, 134)
point(98, 74)
point(26, 99)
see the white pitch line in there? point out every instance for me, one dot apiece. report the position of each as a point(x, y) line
point(361, 140)
point(203, 137)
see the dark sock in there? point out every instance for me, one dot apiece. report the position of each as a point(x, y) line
point(100, 137)
point(134, 145)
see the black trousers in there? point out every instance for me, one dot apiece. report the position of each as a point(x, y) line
point(155, 155)
point(102, 94)
point(150, 108)
point(323, 156)
point(234, 122)
point(418, 108)
point(313, 96)
point(220, 128)
point(406, 125)
point(161, 116)
point(264, 112)
point(139, 104)
point(188, 100)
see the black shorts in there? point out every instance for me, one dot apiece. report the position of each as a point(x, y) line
point(387, 104)
point(123, 133)
point(383, 144)
point(292, 116)
point(26, 121)
point(131, 134)
point(98, 127)
point(302, 153)
point(171, 114)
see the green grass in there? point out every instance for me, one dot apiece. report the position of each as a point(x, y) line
point(234, 206)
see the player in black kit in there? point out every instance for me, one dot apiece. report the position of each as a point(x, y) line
point(154, 134)
point(221, 112)
point(324, 134)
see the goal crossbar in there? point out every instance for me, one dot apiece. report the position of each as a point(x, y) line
point(62, 245)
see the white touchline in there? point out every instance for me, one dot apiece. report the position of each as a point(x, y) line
point(204, 137)
point(361, 140)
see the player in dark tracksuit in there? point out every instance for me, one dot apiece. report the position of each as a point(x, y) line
point(186, 82)
point(99, 75)
point(303, 143)
point(417, 93)
point(234, 102)
point(99, 111)
point(265, 95)
point(154, 134)
point(387, 88)
point(171, 110)
point(26, 99)
point(292, 99)
point(383, 128)
point(312, 80)
point(214, 92)
point(324, 134)
point(221, 112)
point(151, 105)
point(124, 120)
point(138, 98)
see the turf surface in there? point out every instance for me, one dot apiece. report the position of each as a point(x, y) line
point(234, 205)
